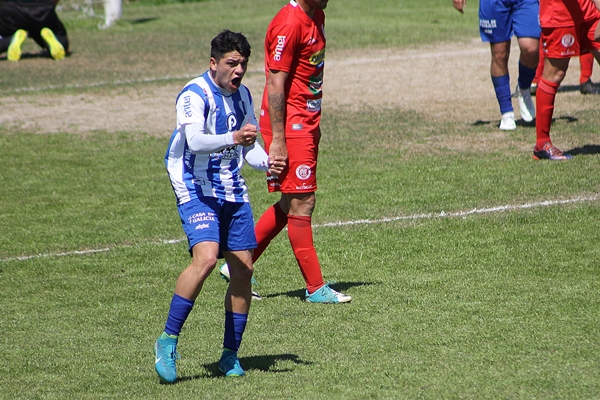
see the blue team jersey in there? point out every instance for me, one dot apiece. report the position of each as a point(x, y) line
point(214, 174)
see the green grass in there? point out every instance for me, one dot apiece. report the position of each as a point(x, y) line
point(492, 305)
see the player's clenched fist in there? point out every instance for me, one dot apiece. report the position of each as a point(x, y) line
point(276, 165)
point(245, 136)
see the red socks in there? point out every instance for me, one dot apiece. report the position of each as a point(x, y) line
point(587, 65)
point(269, 225)
point(544, 104)
point(301, 239)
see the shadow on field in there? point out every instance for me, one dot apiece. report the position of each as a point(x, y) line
point(300, 294)
point(142, 20)
point(587, 149)
point(261, 363)
point(520, 122)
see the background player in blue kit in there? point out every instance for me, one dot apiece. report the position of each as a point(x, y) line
point(499, 20)
point(216, 131)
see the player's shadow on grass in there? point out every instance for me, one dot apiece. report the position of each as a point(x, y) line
point(266, 363)
point(301, 293)
point(567, 118)
point(588, 149)
point(142, 20)
point(569, 88)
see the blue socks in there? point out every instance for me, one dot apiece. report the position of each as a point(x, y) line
point(235, 325)
point(502, 88)
point(526, 76)
point(178, 313)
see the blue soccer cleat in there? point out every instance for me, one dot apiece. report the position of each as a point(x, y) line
point(165, 354)
point(327, 295)
point(229, 364)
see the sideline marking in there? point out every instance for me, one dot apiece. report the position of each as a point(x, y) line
point(441, 214)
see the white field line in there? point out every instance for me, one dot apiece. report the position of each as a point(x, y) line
point(441, 214)
point(391, 56)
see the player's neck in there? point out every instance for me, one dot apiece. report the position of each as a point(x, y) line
point(306, 8)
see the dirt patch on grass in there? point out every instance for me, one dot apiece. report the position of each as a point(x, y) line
point(438, 82)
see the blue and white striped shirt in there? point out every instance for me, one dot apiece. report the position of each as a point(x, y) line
point(217, 174)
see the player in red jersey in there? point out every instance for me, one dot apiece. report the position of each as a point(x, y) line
point(568, 28)
point(586, 63)
point(290, 118)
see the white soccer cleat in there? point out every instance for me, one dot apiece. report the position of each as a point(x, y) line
point(526, 105)
point(508, 123)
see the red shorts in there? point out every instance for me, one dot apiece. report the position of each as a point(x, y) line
point(300, 173)
point(569, 41)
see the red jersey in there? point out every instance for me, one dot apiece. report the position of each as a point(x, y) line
point(562, 13)
point(295, 44)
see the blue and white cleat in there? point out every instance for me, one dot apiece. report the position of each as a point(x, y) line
point(165, 354)
point(229, 364)
point(327, 295)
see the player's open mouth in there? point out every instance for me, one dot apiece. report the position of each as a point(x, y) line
point(236, 82)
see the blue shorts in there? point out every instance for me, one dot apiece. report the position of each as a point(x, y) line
point(209, 219)
point(499, 20)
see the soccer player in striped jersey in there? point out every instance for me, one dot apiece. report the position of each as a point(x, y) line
point(215, 134)
point(498, 22)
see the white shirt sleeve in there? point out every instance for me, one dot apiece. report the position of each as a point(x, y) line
point(200, 142)
point(256, 157)
point(190, 118)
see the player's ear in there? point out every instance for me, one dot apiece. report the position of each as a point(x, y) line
point(213, 64)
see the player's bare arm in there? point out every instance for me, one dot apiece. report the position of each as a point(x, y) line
point(276, 89)
point(245, 136)
point(459, 5)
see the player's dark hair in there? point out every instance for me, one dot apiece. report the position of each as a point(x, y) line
point(228, 41)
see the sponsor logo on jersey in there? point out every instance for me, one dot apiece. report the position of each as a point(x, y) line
point(279, 48)
point(313, 105)
point(568, 40)
point(201, 226)
point(297, 127)
point(304, 186)
point(318, 57)
point(315, 83)
point(303, 172)
point(273, 181)
point(187, 106)
point(231, 122)
point(229, 153)
point(201, 217)
point(488, 23)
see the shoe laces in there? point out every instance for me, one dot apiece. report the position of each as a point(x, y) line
point(554, 151)
point(171, 354)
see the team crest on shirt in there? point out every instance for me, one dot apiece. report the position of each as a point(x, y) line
point(231, 122)
point(303, 172)
point(568, 40)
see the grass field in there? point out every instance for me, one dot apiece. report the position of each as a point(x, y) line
point(474, 271)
